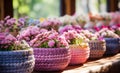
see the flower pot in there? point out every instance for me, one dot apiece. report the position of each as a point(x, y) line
point(51, 59)
point(79, 54)
point(19, 61)
point(97, 49)
point(112, 46)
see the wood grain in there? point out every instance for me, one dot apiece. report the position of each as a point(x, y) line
point(109, 64)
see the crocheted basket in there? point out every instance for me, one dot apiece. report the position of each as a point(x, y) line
point(97, 49)
point(112, 46)
point(79, 55)
point(51, 59)
point(20, 61)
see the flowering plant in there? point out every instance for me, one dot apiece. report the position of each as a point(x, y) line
point(8, 43)
point(73, 37)
point(106, 33)
point(115, 18)
point(117, 31)
point(68, 20)
point(49, 39)
point(51, 23)
point(116, 28)
point(33, 22)
point(70, 27)
point(81, 19)
point(28, 33)
point(92, 36)
point(12, 25)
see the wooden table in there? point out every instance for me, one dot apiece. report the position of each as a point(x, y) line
point(109, 64)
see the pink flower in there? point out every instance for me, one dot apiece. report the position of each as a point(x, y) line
point(29, 33)
point(51, 43)
point(7, 17)
point(10, 38)
point(49, 39)
point(43, 30)
point(52, 36)
point(34, 30)
point(96, 28)
point(66, 28)
point(100, 38)
point(62, 41)
point(2, 36)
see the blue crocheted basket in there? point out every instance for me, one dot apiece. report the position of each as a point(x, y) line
point(112, 46)
point(20, 61)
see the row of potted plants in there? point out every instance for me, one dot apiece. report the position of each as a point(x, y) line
point(48, 45)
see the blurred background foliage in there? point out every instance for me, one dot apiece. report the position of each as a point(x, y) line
point(36, 8)
point(51, 8)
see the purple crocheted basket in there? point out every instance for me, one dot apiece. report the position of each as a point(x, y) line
point(79, 55)
point(97, 49)
point(20, 61)
point(51, 59)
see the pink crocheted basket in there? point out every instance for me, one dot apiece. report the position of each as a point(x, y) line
point(51, 59)
point(79, 55)
point(97, 49)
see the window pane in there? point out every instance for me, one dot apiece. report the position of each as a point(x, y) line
point(94, 6)
point(36, 8)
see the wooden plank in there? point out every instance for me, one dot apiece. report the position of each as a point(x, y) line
point(104, 65)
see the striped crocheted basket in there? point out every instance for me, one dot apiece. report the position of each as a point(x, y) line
point(51, 59)
point(112, 46)
point(20, 61)
point(79, 55)
point(97, 49)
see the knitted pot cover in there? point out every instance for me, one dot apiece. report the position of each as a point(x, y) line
point(112, 46)
point(79, 55)
point(97, 49)
point(20, 61)
point(51, 59)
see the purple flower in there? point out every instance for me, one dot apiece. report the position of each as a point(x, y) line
point(34, 30)
point(51, 23)
point(29, 33)
point(2, 36)
point(62, 41)
point(21, 21)
point(51, 43)
point(1, 22)
point(66, 28)
point(11, 22)
point(9, 39)
point(7, 17)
